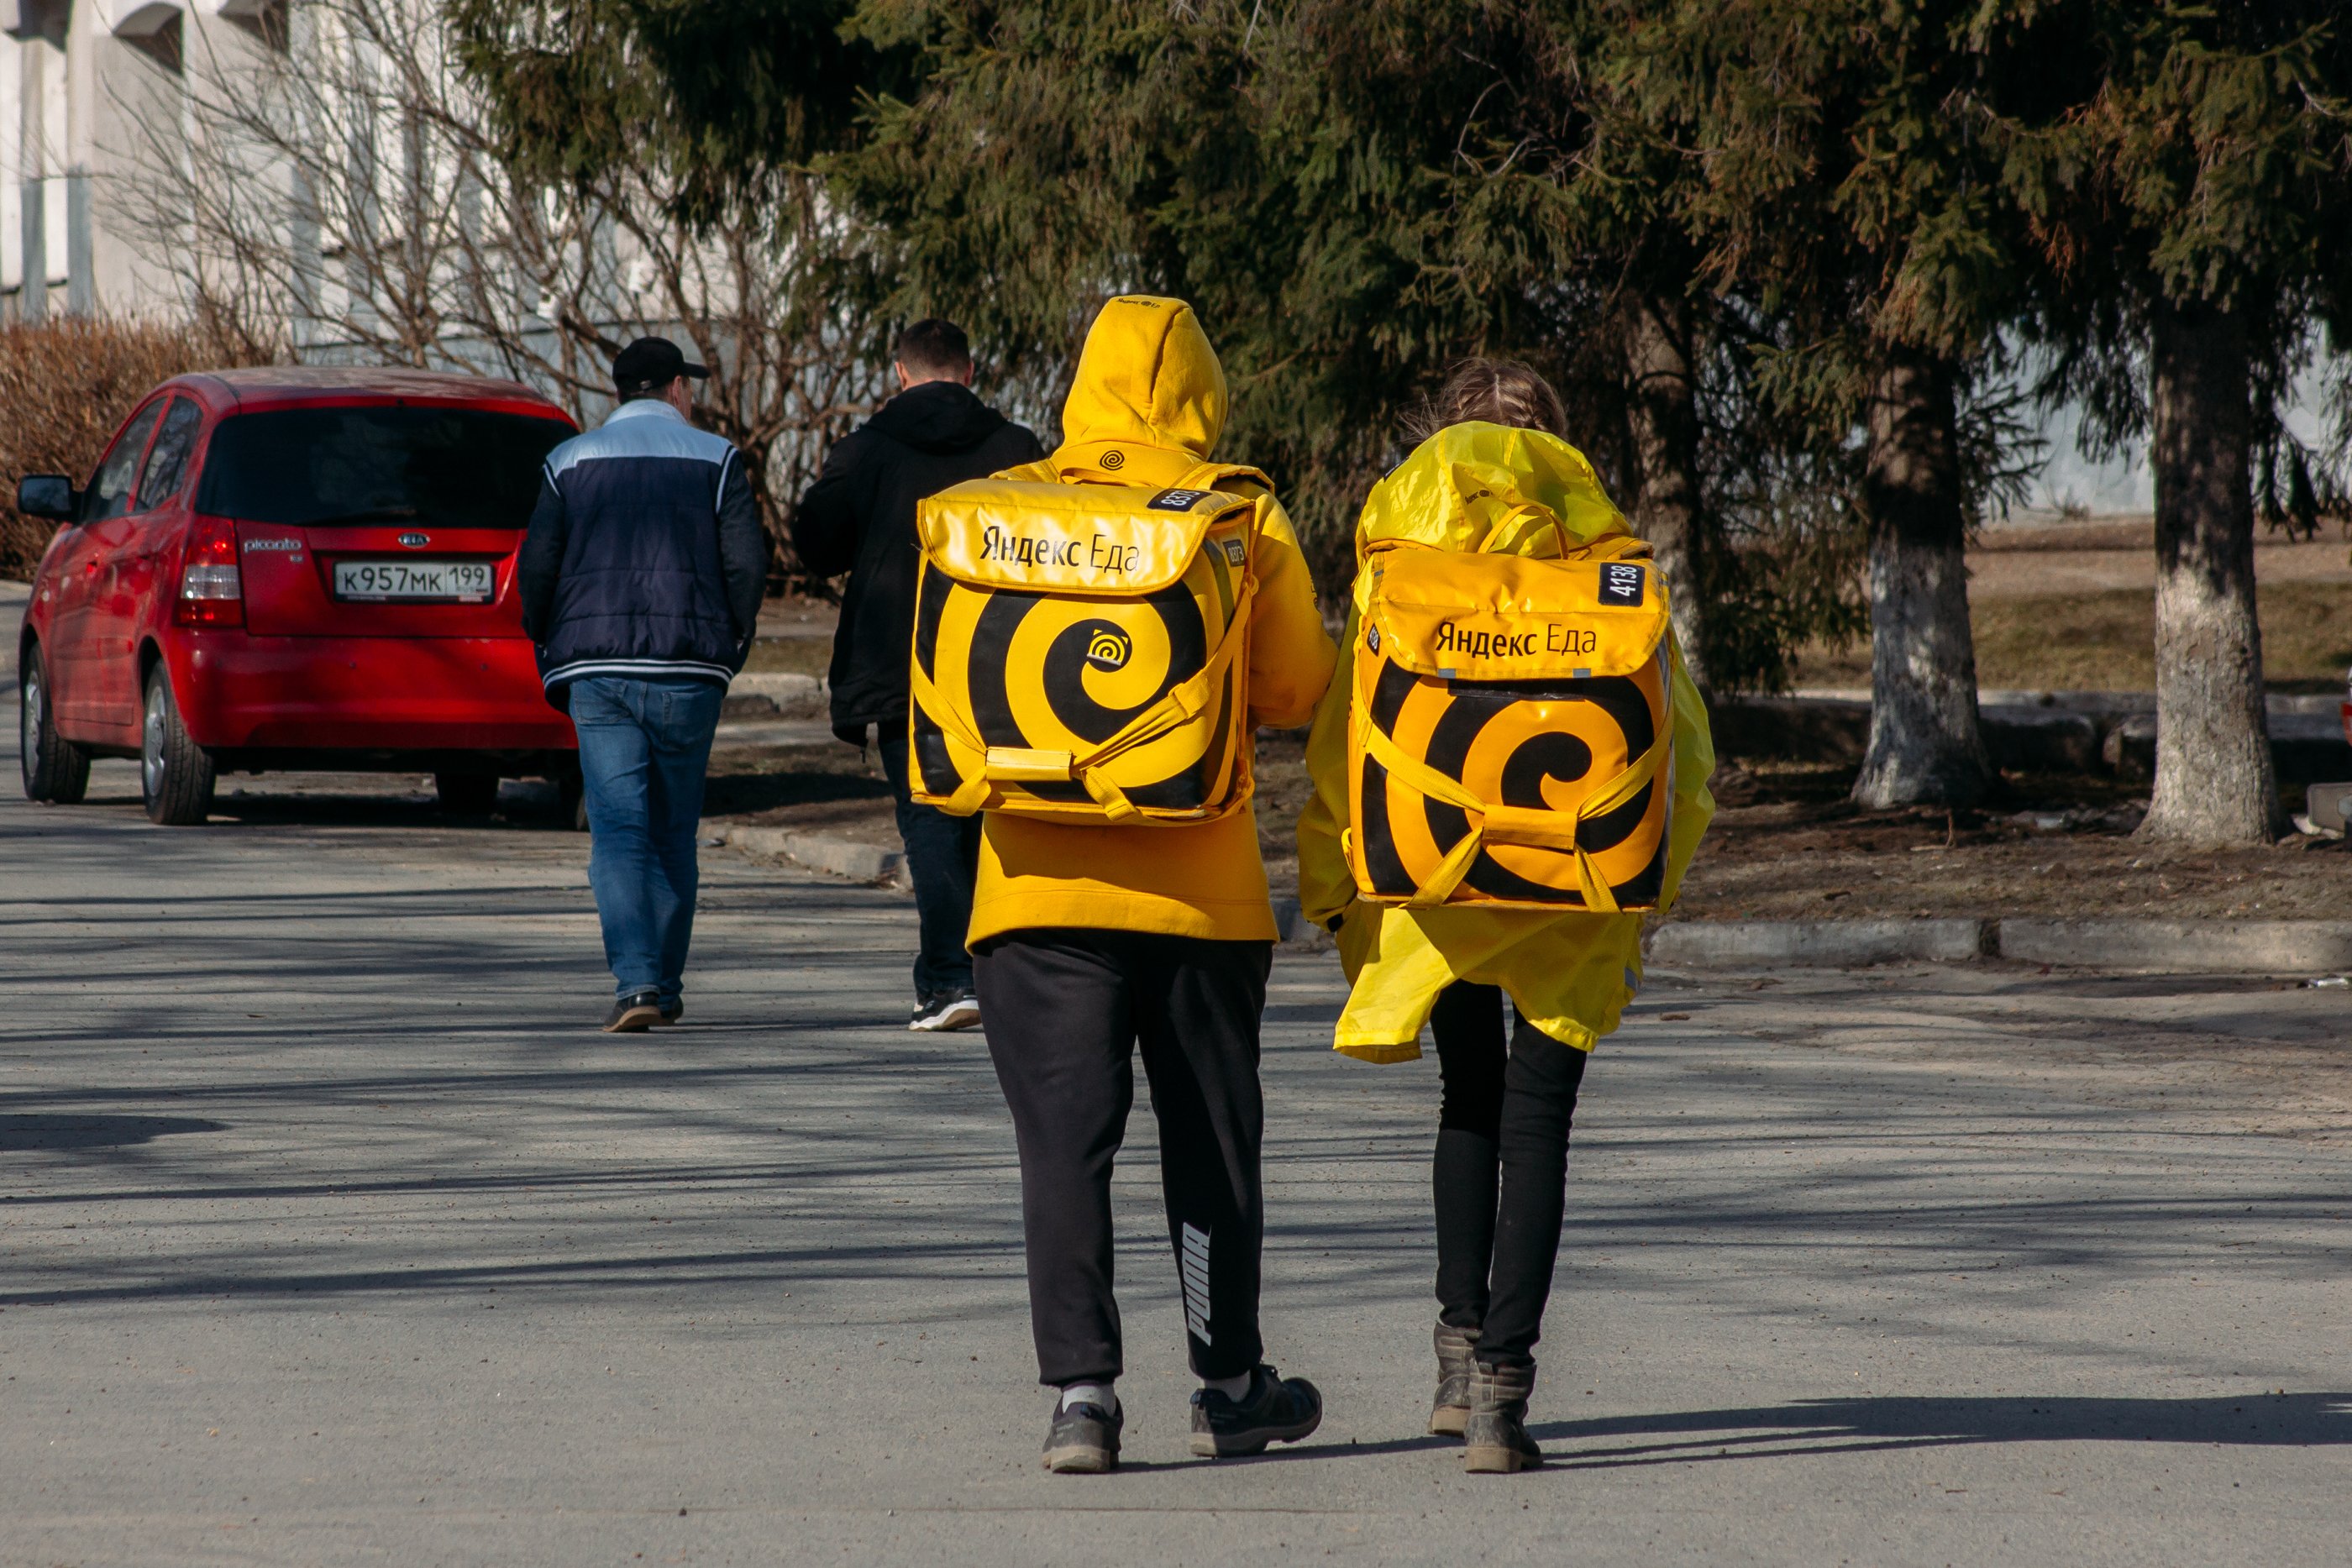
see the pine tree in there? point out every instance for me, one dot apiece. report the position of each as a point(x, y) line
point(1846, 181)
point(2193, 199)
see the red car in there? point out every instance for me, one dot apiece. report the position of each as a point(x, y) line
point(304, 568)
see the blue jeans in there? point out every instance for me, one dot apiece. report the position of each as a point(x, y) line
point(643, 745)
point(942, 861)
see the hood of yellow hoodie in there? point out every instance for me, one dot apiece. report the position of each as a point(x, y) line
point(1148, 401)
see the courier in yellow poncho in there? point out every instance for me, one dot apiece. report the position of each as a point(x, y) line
point(1497, 475)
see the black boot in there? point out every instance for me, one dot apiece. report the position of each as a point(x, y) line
point(1451, 1408)
point(1495, 1436)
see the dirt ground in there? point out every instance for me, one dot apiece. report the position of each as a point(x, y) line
point(825, 788)
point(1787, 844)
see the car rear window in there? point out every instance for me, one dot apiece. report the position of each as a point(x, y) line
point(453, 467)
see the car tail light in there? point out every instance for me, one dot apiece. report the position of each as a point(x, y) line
point(212, 589)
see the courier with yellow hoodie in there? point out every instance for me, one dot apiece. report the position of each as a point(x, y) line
point(1090, 938)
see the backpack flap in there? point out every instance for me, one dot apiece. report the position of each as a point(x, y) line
point(1078, 650)
point(1508, 617)
point(1068, 539)
point(1509, 726)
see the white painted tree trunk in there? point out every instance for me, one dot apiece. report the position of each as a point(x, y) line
point(2214, 781)
point(1925, 747)
point(1664, 416)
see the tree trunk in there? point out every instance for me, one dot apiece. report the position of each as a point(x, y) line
point(2214, 783)
point(1924, 750)
point(1665, 417)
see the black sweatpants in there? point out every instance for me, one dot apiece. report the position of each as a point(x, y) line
point(1065, 1009)
point(1501, 1177)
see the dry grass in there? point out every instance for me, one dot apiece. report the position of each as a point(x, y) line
point(790, 655)
point(2105, 642)
point(64, 388)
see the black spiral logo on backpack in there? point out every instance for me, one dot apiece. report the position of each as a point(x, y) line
point(1504, 740)
point(1100, 666)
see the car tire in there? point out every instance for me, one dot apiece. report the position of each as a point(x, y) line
point(175, 774)
point(571, 799)
point(466, 794)
point(56, 771)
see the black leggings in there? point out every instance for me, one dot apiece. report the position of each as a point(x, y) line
point(1500, 1178)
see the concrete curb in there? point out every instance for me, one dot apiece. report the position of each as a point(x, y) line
point(778, 685)
point(2114, 732)
point(1299, 933)
point(2209, 947)
point(821, 852)
point(1703, 943)
point(2172, 946)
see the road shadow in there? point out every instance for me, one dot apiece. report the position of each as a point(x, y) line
point(1882, 1422)
point(22, 1135)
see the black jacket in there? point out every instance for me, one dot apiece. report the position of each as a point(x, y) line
point(645, 556)
point(859, 518)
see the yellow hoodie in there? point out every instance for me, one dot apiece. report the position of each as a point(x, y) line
point(1569, 975)
point(1147, 408)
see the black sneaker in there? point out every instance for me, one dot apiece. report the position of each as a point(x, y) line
point(945, 1010)
point(672, 1011)
point(634, 1013)
point(1084, 1440)
point(1277, 1409)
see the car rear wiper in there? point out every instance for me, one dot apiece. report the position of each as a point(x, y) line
point(373, 514)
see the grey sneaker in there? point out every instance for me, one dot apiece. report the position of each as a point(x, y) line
point(945, 1010)
point(1084, 1440)
point(1277, 1409)
point(634, 1013)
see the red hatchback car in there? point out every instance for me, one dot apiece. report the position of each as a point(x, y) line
point(304, 568)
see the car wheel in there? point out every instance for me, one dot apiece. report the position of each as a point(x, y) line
point(571, 798)
point(175, 774)
point(466, 794)
point(56, 769)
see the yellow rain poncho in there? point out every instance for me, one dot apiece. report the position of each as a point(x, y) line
point(1569, 975)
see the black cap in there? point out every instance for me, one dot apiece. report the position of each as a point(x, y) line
point(651, 362)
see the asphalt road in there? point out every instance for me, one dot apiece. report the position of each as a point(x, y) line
point(331, 1232)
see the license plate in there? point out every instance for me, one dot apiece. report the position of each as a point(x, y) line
point(468, 581)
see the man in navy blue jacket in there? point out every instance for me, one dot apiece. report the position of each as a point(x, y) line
point(641, 579)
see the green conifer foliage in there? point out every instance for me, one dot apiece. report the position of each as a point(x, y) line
point(1845, 180)
point(2190, 203)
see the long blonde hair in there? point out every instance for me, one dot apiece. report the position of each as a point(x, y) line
point(1498, 392)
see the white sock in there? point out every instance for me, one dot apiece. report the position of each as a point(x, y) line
point(1100, 1394)
point(1232, 1388)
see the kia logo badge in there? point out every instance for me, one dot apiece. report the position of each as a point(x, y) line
point(415, 541)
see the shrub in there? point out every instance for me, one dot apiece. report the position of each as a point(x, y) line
point(66, 387)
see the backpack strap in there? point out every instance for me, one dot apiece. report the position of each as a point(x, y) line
point(1205, 475)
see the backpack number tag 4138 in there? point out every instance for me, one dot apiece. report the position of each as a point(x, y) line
point(1510, 733)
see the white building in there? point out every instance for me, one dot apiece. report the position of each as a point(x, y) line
point(74, 74)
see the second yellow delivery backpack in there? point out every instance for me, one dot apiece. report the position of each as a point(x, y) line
point(1511, 727)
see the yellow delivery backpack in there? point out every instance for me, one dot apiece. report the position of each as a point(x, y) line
point(1081, 651)
point(1510, 730)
